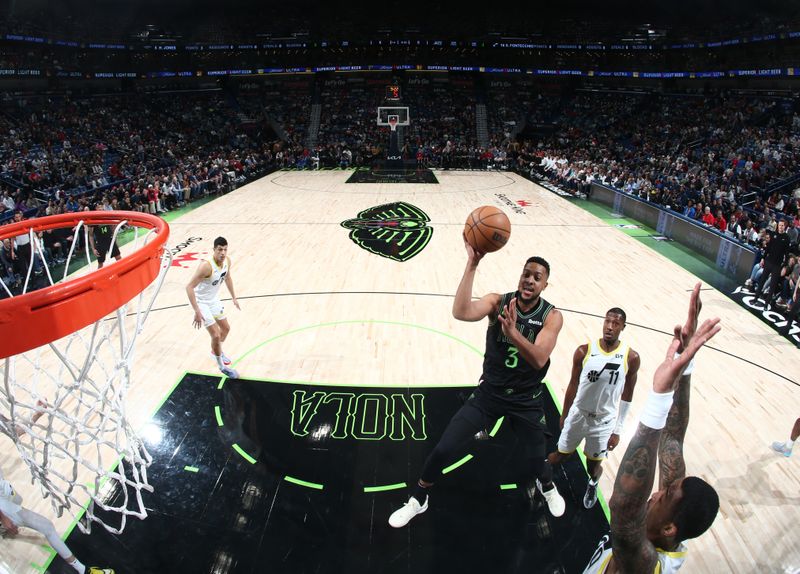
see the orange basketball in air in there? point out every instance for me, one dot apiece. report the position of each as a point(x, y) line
point(487, 229)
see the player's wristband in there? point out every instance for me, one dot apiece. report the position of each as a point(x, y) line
point(689, 368)
point(623, 412)
point(656, 410)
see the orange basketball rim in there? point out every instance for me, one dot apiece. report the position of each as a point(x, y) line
point(37, 318)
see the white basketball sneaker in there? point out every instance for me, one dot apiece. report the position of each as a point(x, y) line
point(555, 502)
point(405, 513)
point(590, 498)
point(226, 361)
point(230, 373)
point(780, 447)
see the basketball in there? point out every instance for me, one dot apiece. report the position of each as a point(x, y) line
point(487, 229)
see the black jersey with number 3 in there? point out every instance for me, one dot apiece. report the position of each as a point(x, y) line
point(505, 371)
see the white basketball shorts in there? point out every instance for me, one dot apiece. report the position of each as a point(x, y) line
point(580, 425)
point(212, 312)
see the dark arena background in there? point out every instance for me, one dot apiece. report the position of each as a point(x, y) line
point(339, 147)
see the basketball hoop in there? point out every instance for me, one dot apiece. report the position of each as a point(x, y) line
point(65, 362)
point(392, 121)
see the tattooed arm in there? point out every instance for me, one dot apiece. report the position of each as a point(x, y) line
point(632, 551)
point(671, 466)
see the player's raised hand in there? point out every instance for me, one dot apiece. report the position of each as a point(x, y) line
point(473, 256)
point(669, 371)
point(686, 332)
point(508, 318)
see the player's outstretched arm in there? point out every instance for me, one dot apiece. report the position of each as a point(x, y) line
point(632, 376)
point(229, 285)
point(91, 242)
point(464, 308)
point(633, 552)
point(574, 379)
point(634, 362)
point(671, 464)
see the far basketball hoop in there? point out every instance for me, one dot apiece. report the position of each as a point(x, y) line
point(386, 114)
point(393, 117)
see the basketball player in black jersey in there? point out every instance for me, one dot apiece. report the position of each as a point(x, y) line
point(100, 242)
point(523, 329)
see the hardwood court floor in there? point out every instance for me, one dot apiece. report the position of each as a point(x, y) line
point(294, 266)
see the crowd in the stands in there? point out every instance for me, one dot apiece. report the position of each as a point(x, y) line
point(719, 159)
point(728, 161)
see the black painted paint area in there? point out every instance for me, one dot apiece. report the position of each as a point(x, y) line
point(380, 175)
point(234, 516)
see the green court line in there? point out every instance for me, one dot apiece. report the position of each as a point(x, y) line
point(332, 324)
point(122, 240)
point(329, 384)
point(80, 514)
point(600, 496)
point(168, 395)
point(385, 487)
point(191, 469)
point(293, 480)
point(348, 322)
point(358, 321)
point(38, 567)
point(683, 256)
point(508, 486)
point(458, 463)
point(51, 554)
point(246, 456)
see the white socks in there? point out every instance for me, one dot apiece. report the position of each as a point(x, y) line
point(220, 364)
point(789, 444)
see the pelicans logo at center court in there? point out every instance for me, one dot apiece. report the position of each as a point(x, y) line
point(397, 231)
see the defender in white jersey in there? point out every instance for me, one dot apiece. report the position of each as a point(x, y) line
point(203, 293)
point(668, 562)
point(648, 531)
point(14, 516)
point(603, 371)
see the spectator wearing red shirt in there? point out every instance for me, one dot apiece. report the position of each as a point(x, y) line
point(708, 217)
point(153, 201)
point(720, 222)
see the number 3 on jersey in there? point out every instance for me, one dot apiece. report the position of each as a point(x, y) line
point(512, 361)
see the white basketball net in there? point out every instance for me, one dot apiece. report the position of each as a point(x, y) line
point(63, 404)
